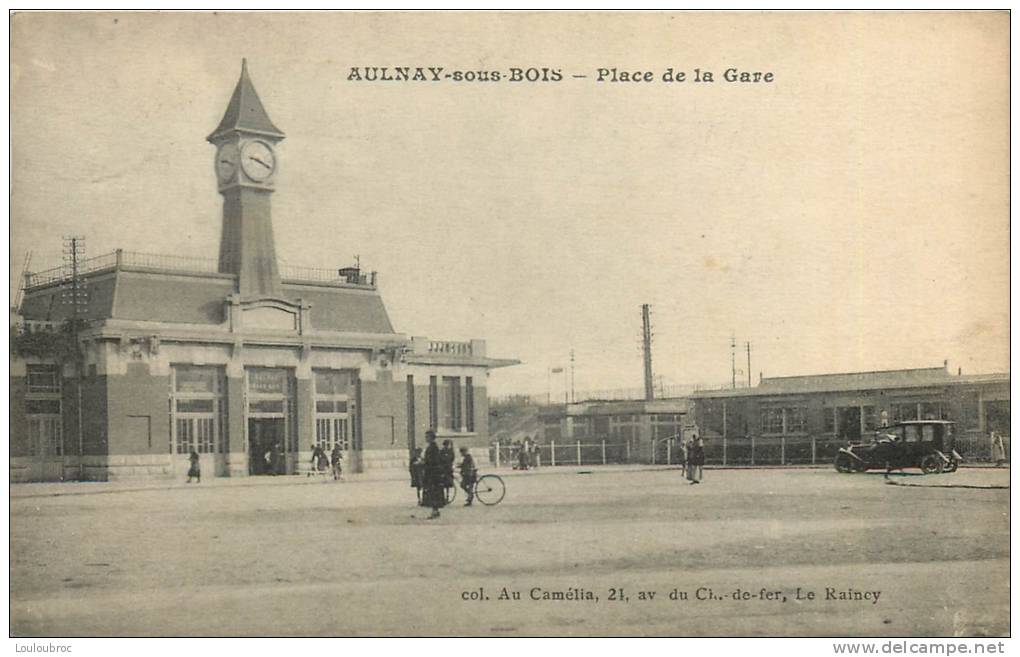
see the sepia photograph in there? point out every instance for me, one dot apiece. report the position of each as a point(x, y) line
point(510, 324)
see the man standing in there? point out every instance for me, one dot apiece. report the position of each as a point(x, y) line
point(447, 456)
point(194, 470)
point(434, 475)
point(336, 458)
point(695, 459)
point(998, 449)
point(468, 474)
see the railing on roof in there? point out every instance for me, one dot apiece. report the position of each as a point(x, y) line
point(178, 263)
point(324, 275)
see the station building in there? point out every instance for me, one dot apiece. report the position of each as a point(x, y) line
point(799, 419)
point(245, 362)
point(783, 420)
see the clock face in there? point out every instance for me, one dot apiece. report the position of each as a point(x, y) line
point(258, 160)
point(226, 162)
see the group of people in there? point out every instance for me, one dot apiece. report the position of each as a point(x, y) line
point(332, 463)
point(432, 473)
point(525, 455)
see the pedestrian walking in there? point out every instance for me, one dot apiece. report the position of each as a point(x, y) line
point(416, 468)
point(318, 455)
point(435, 473)
point(695, 459)
point(468, 474)
point(194, 470)
point(998, 449)
point(336, 458)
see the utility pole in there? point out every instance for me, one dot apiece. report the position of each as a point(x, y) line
point(733, 360)
point(76, 294)
point(571, 376)
point(748, 364)
point(646, 329)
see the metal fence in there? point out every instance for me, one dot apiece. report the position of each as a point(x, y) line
point(743, 451)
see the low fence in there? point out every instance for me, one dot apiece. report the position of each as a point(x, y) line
point(749, 451)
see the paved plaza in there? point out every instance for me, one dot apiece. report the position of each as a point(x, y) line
point(571, 553)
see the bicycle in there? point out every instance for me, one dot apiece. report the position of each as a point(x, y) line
point(489, 489)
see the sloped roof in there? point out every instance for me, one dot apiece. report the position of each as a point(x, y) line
point(199, 299)
point(854, 380)
point(342, 309)
point(245, 111)
point(849, 382)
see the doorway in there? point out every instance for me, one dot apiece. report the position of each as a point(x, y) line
point(266, 446)
point(849, 423)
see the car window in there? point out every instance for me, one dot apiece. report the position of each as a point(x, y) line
point(910, 433)
point(895, 434)
point(928, 433)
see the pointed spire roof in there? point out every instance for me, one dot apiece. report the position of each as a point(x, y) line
point(245, 111)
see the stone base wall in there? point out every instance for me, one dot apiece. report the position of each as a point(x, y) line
point(372, 463)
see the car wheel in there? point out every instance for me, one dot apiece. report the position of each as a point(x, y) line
point(931, 464)
point(951, 466)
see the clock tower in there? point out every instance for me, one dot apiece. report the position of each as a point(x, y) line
point(245, 170)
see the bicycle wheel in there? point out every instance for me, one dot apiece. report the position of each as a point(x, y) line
point(450, 493)
point(490, 489)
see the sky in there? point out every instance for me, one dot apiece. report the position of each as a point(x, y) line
point(851, 215)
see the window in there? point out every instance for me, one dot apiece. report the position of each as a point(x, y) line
point(43, 379)
point(193, 379)
point(969, 410)
point(772, 420)
point(44, 436)
point(870, 418)
point(194, 405)
point(783, 420)
point(433, 402)
point(265, 406)
point(911, 433)
point(451, 409)
point(469, 404)
point(551, 429)
point(928, 433)
point(796, 420)
point(332, 382)
point(904, 412)
point(333, 408)
point(43, 408)
point(829, 425)
point(198, 410)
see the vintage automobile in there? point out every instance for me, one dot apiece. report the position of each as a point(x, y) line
point(925, 444)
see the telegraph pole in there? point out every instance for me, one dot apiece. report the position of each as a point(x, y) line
point(571, 376)
point(74, 254)
point(646, 326)
point(748, 364)
point(733, 360)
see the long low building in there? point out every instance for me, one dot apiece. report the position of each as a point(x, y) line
point(788, 420)
point(124, 365)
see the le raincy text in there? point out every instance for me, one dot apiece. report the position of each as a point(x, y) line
point(700, 594)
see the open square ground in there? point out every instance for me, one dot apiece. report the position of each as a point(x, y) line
point(791, 552)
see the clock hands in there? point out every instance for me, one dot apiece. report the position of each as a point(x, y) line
point(252, 157)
